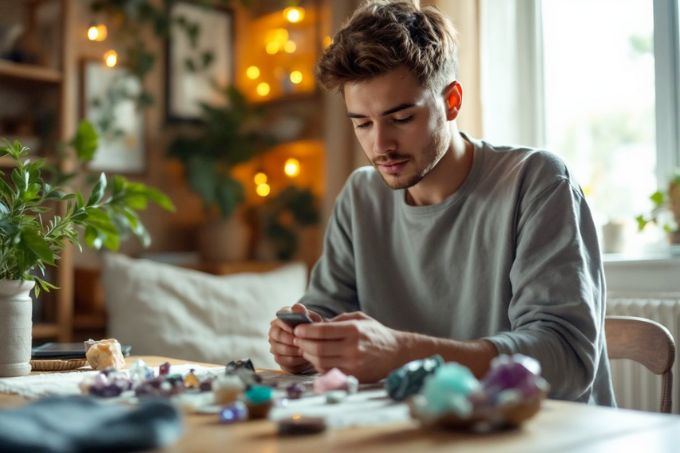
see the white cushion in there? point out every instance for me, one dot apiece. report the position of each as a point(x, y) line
point(165, 310)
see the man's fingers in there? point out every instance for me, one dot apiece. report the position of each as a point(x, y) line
point(276, 333)
point(355, 315)
point(281, 325)
point(284, 349)
point(324, 348)
point(326, 330)
point(314, 316)
point(292, 364)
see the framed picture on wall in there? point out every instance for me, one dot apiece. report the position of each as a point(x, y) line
point(199, 58)
point(107, 101)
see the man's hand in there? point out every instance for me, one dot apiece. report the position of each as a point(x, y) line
point(355, 343)
point(281, 344)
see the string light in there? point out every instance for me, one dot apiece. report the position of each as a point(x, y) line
point(272, 47)
point(291, 167)
point(263, 89)
point(290, 47)
point(294, 14)
point(111, 58)
point(263, 189)
point(253, 72)
point(260, 178)
point(97, 32)
point(296, 77)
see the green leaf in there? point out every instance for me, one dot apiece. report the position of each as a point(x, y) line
point(85, 141)
point(658, 198)
point(98, 191)
point(38, 245)
point(641, 222)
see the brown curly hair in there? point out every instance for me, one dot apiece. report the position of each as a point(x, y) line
point(382, 35)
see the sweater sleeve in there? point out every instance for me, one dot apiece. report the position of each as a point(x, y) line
point(332, 287)
point(556, 312)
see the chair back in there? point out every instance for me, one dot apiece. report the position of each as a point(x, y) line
point(646, 342)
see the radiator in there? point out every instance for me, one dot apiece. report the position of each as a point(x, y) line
point(635, 386)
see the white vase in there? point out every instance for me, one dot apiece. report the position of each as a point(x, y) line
point(15, 327)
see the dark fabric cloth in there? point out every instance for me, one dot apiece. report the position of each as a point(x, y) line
point(82, 424)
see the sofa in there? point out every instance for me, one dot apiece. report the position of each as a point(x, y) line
point(161, 309)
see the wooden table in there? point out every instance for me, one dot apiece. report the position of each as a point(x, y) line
point(559, 426)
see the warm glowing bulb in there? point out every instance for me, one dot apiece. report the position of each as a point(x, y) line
point(327, 41)
point(263, 189)
point(111, 58)
point(294, 14)
point(289, 46)
point(253, 72)
point(97, 32)
point(263, 89)
point(272, 47)
point(296, 77)
point(292, 167)
point(260, 178)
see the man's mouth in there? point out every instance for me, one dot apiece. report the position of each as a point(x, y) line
point(392, 167)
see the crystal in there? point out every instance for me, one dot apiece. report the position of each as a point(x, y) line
point(409, 379)
point(105, 354)
point(233, 413)
point(164, 369)
point(300, 424)
point(513, 372)
point(191, 381)
point(139, 371)
point(448, 389)
point(258, 394)
point(295, 391)
point(336, 396)
point(227, 389)
point(332, 380)
point(235, 365)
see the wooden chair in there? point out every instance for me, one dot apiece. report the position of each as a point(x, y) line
point(646, 342)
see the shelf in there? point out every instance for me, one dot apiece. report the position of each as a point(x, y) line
point(89, 321)
point(45, 330)
point(29, 72)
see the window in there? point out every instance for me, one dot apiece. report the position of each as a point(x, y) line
point(599, 87)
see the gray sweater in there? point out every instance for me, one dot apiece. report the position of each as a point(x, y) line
point(512, 256)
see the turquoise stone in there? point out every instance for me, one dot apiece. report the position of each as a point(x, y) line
point(409, 379)
point(448, 389)
point(258, 394)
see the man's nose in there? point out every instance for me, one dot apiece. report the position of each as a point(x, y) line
point(384, 141)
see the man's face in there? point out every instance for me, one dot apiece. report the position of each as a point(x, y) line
point(401, 126)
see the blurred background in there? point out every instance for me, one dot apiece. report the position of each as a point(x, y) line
point(215, 103)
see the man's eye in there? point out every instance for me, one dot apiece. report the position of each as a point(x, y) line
point(403, 120)
point(362, 125)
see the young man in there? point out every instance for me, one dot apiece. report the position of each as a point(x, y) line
point(446, 245)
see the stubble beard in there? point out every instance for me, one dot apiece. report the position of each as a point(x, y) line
point(435, 152)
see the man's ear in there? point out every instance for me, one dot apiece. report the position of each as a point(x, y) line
point(453, 100)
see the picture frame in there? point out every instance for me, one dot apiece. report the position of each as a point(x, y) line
point(186, 89)
point(120, 123)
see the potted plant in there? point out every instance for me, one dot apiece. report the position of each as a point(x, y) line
point(227, 136)
point(665, 211)
point(284, 215)
point(38, 219)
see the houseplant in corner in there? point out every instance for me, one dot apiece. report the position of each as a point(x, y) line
point(38, 219)
point(665, 211)
point(227, 136)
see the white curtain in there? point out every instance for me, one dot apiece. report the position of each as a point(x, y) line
point(511, 72)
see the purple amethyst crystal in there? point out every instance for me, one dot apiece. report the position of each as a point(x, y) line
point(294, 391)
point(514, 372)
point(164, 369)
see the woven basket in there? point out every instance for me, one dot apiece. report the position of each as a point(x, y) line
point(57, 364)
